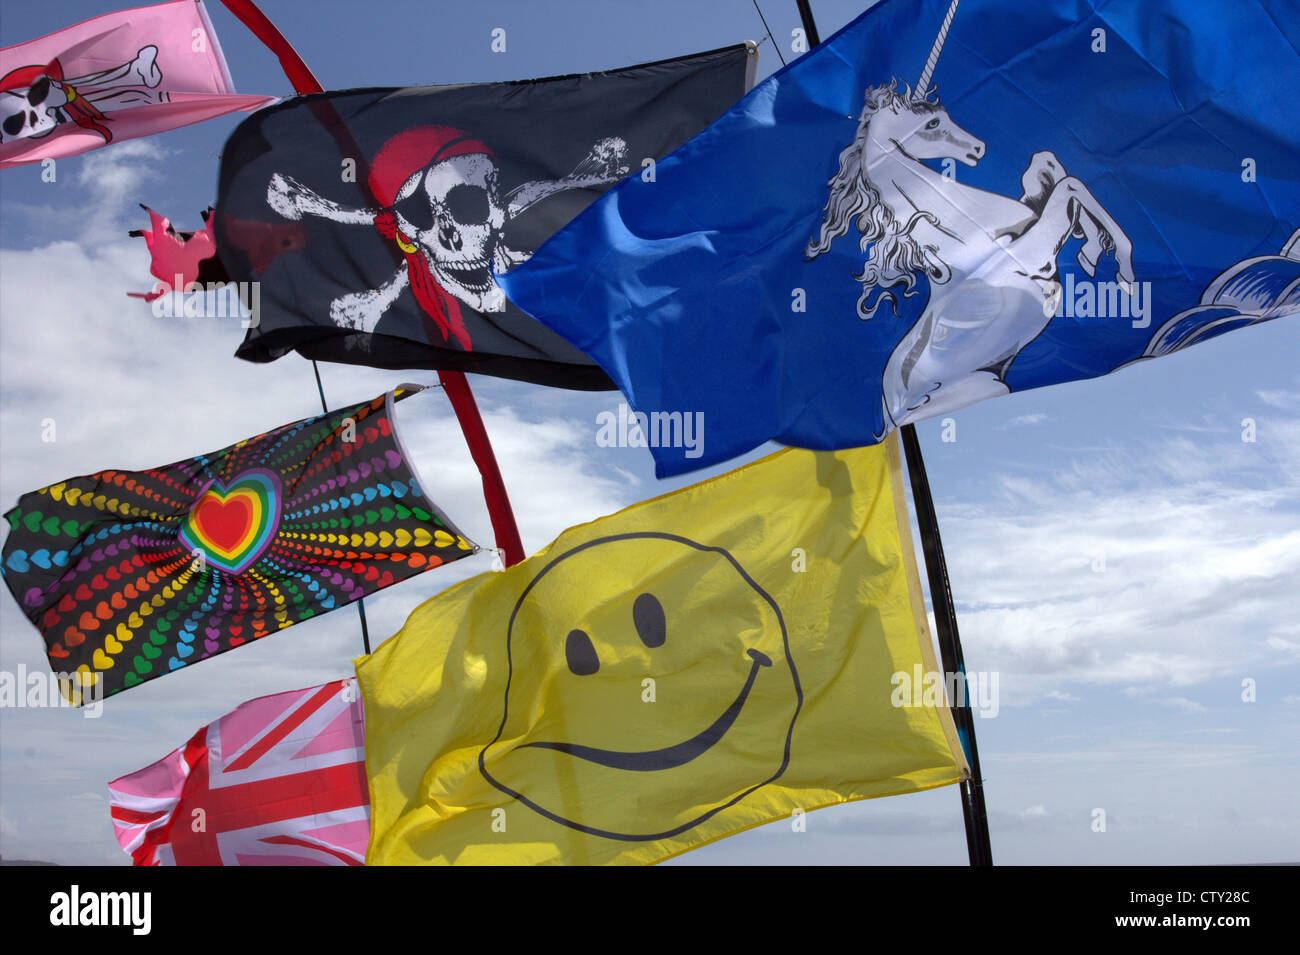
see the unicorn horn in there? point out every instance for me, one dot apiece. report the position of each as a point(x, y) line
point(923, 84)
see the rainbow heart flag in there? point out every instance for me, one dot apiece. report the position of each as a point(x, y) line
point(130, 575)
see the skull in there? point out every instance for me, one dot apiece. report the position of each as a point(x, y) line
point(33, 112)
point(453, 211)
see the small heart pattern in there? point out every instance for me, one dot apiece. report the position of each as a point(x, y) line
point(221, 549)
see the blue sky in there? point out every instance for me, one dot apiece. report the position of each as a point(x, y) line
point(1119, 555)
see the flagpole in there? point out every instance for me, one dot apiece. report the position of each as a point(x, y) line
point(974, 812)
point(454, 383)
point(361, 601)
point(945, 623)
point(480, 448)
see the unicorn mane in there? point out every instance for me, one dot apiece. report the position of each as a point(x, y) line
point(893, 257)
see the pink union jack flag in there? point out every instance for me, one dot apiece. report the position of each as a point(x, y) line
point(280, 780)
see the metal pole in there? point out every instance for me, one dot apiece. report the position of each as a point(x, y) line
point(809, 24)
point(945, 622)
point(361, 601)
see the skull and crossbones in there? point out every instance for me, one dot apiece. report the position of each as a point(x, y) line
point(36, 100)
point(441, 202)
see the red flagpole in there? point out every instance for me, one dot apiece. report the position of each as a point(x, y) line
point(494, 488)
point(303, 80)
point(454, 383)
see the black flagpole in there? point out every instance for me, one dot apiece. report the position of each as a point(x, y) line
point(945, 623)
point(974, 812)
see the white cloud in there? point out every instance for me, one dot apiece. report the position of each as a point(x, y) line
point(1181, 703)
point(1280, 398)
point(1025, 419)
point(1167, 569)
point(113, 173)
point(1060, 696)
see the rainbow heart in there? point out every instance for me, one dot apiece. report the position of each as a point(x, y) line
point(233, 524)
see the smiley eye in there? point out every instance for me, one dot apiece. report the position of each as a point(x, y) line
point(580, 654)
point(648, 616)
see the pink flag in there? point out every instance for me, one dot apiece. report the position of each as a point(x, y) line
point(178, 258)
point(118, 76)
point(280, 780)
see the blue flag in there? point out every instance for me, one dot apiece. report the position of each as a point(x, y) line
point(943, 203)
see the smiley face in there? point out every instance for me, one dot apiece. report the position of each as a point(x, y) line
point(650, 686)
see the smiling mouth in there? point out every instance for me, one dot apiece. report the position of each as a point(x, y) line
point(670, 756)
point(474, 276)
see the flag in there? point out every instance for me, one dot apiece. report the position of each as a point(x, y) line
point(189, 260)
point(114, 77)
point(130, 575)
point(279, 780)
point(940, 204)
point(405, 201)
point(717, 658)
point(179, 259)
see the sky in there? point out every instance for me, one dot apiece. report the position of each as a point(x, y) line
point(1120, 557)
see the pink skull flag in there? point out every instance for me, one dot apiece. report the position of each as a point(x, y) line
point(117, 76)
point(280, 780)
point(131, 575)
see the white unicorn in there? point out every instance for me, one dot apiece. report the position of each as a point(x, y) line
point(990, 260)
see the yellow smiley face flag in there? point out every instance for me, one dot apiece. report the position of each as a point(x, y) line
point(697, 664)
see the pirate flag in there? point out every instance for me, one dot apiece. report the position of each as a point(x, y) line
point(130, 575)
point(114, 77)
point(406, 203)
